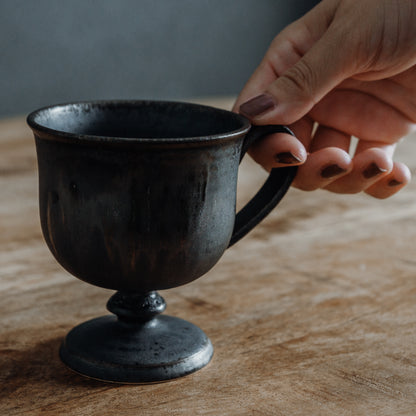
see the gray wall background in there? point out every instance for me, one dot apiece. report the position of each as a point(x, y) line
point(62, 50)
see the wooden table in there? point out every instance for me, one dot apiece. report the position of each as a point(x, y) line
point(313, 313)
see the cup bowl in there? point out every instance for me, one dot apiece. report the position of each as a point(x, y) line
point(128, 206)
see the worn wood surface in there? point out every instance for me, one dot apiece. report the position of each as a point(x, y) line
point(313, 313)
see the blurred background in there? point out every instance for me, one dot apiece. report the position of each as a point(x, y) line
point(63, 50)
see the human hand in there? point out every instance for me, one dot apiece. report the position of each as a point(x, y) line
point(347, 68)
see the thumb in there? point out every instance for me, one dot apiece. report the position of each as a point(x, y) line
point(291, 96)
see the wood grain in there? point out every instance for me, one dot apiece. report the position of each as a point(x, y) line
point(313, 313)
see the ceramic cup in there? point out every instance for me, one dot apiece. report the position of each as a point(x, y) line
point(139, 196)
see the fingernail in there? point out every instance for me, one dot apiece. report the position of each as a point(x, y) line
point(394, 182)
point(257, 105)
point(287, 158)
point(373, 170)
point(332, 170)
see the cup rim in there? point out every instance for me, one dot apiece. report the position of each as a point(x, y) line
point(56, 134)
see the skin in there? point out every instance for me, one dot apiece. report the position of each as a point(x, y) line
point(345, 69)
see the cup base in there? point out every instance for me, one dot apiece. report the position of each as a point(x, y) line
point(111, 350)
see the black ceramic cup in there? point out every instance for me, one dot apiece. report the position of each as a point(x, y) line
point(139, 196)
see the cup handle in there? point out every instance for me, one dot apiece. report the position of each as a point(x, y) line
point(272, 191)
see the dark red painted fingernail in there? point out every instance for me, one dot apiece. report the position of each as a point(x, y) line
point(332, 170)
point(287, 158)
point(394, 182)
point(372, 170)
point(257, 105)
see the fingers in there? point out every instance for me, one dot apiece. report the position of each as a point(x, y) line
point(328, 160)
point(302, 77)
point(325, 47)
point(362, 115)
point(286, 49)
point(390, 184)
point(369, 167)
point(300, 87)
point(322, 168)
point(387, 184)
point(280, 150)
point(329, 165)
point(399, 92)
point(374, 172)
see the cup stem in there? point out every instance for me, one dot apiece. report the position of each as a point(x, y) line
point(136, 307)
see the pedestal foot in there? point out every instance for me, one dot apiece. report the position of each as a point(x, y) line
point(158, 348)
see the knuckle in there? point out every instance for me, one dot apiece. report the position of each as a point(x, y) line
point(301, 80)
